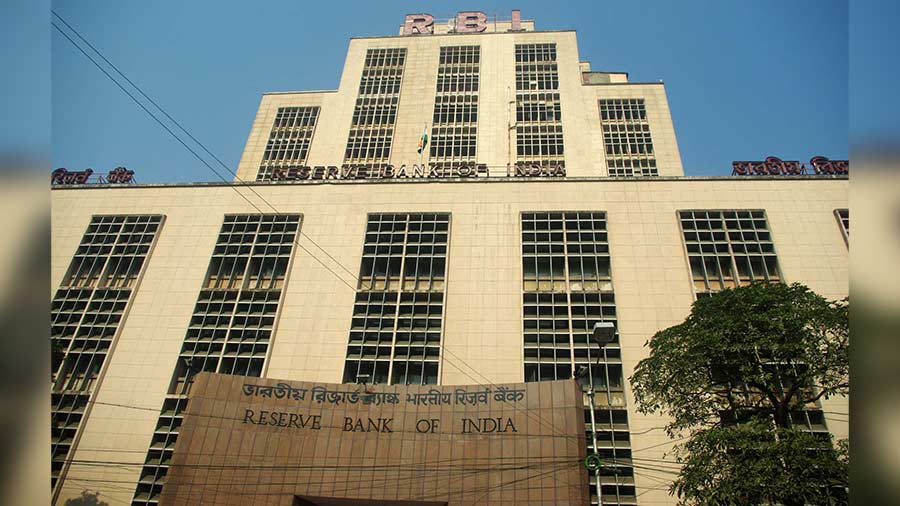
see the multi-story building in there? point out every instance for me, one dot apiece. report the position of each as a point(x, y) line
point(461, 210)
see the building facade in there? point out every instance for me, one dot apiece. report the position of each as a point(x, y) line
point(460, 211)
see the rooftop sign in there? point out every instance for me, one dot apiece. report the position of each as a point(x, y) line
point(119, 175)
point(774, 166)
point(464, 22)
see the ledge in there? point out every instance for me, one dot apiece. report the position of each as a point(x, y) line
point(298, 92)
point(660, 83)
point(417, 36)
point(458, 180)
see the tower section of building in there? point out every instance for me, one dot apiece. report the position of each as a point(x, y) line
point(492, 99)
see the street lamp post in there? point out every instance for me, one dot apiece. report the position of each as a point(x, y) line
point(603, 334)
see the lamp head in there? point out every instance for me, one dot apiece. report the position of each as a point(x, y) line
point(603, 333)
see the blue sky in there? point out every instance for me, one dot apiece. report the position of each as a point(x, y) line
point(744, 80)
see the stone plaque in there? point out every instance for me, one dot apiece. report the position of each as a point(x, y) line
point(263, 441)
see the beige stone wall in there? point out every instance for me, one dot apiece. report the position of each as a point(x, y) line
point(483, 310)
point(582, 135)
point(265, 118)
point(662, 131)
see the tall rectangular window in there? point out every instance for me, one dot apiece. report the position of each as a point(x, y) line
point(843, 219)
point(375, 113)
point(539, 135)
point(395, 334)
point(85, 315)
point(626, 136)
point(567, 288)
point(728, 249)
point(454, 127)
point(731, 248)
point(289, 139)
point(231, 326)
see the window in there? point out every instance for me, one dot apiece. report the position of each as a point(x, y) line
point(372, 128)
point(728, 249)
point(454, 129)
point(231, 325)
point(454, 143)
point(67, 410)
point(626, 136)
point(375, 111)
point(455, 109)
point(289, 140)
point(112, 251)
point(397, 322)
point(567, 288)
point(843, 219)
point(536, 142)
point(536, 67)
point(732, 248)
point(537, 107)
point(85, 314)
point(539, 136)
point(458, 68)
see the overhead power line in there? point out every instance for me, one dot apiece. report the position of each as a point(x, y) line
point(423, 476)
point(180, 127)
point(188, 133)
point(189, 148)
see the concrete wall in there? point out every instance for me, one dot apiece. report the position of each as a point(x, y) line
point(483, 309)
point(582, 134)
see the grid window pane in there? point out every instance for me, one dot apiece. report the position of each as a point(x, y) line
point(289, 140)
point(85, 314)
point(539, 136)
point(372, 128)
point(454, 129)
point(567, 288)
point(397, 323)
point(843, 218)
point(728, 249)
point(626, 137)
point(731, 248)
point(230, 328)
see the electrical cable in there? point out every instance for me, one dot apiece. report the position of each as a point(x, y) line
point(222, 417)
point(412, 472)
point(202, 146)
point(196, 155)
point(352, 469)
point(204, 162)
point(219, 160)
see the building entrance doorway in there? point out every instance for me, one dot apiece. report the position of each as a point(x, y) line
point(339, 501)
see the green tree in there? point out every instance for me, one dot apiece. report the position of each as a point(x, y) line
point(732, 377)
point(87, 498)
